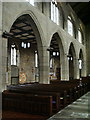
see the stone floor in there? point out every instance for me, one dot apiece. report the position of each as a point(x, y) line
point(80, 109)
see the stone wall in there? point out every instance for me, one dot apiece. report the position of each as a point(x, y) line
point(46, 28)
point(0, 46)
point(88, 48)
point(27, 63)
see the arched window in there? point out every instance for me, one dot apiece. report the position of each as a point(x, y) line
point(51, 63)
point(80, 64)
point(54, 12)
point(70, 26)
point(36, 59)
point(31, 2)
point(25, 45)
point(13, 55)
point(79, 36)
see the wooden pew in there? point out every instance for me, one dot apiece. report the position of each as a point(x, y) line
point(86, 84)
point(68, 91)
point(47, 89)
point(73, 86)
point(33, 104)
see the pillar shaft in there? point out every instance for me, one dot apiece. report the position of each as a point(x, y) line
point(64, 68)
point(4, 63)
point(1, 47)
point(84, 69)
point(76, 69)
point(44, 66)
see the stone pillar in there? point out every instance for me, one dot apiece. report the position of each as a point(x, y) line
point(64, 68)
point(0, 46)
point(44, 66)
point(76, 69)
point(0, 71)
point(0, 59)
point(84, 69)
point(4, 63)
point(9, 66)
point(87, 49)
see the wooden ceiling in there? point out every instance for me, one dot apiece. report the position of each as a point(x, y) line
point(82, 9)
point(54, 43)
point(23, 31)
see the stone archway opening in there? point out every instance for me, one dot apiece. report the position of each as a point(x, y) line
point(23, 55)
point(55, 72)
point(71, 58)
point(80, 62)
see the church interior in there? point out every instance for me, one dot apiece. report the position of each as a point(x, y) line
point(44, 60)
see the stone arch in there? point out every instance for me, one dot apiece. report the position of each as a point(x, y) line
point(81, 63)
point(72, 61)
point(73, 49)
point(33, 17)
point(81, 54)
point(37, 31)
point(60, 50)
point(60, 40)
point(35, 20)
point(61, 43)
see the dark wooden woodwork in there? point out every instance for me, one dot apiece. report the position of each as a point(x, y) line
point(26, 103)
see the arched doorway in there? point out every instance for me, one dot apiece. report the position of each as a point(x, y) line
point(24, 43)
point(55, 72)
point(71, 58)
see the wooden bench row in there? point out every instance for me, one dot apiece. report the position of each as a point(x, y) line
point(80, 85)
point(60, 95)
point(86, 82)
point(33, 104)
point(74, 91)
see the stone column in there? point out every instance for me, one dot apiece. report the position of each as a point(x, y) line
point(0, 46)
point(4, 63)
point(0, 60)
point(44, 66)
point(84, 69)
point(87, 49)
point(64, 68)
point(76, 69)
point(3, 52)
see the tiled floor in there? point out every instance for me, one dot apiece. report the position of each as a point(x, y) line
point(79, 109)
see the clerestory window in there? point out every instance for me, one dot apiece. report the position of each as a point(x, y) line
point(54, 12)
point(79, 36)
point(70, 26)
point(31, 2)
